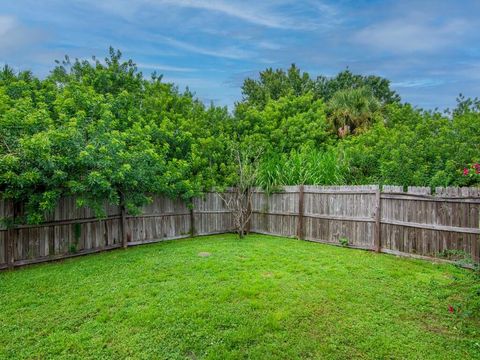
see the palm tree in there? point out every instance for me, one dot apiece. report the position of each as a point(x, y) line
point(352, 110)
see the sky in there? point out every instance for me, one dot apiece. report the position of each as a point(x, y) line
point(430, 50)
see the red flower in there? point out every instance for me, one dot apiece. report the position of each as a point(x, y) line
point(450, 308)
point(477, 168)
point(465, 172)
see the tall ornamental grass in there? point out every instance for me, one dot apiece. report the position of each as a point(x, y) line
point(306, 166)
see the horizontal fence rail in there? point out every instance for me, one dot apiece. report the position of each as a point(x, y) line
point(412, 223)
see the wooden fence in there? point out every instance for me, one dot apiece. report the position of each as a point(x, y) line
point(70, 231)
point(413, 223)
point(392, 221)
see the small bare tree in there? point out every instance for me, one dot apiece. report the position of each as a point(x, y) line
point(239, 198)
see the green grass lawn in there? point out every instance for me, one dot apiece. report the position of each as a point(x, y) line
point(263, 297)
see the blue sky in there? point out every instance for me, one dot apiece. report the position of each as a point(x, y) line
point(430, 50)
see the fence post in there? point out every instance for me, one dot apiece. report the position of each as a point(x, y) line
point(300, 213)
point(192, 221)
point(11, 236)
point(123, 220)
point(249, 210)
point(475, 245)
point(378, 216)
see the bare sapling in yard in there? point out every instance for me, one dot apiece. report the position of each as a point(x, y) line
point(238, 199)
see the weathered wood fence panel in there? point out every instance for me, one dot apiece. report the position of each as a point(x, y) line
point(67, 230)
point(416, 222)
point(413, 222)
point(329, 213)
point(164, 218)
point(5, 212)
point(71, 231)
point(333, 213)
point(277, 213)
point(211, 216)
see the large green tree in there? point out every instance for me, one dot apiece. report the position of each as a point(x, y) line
point(285, 124)
point(275, 84)
point(326, 87)
point(99, 131)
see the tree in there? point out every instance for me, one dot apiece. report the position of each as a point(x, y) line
point(352, 110)
point(239, 198)
point(326, 87)
point(274, 84)
point(101, 132)
point(284, 124)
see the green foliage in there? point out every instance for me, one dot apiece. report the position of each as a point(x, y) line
point(353, 110)
point(306, 166)
point(327, 87)
point(389, 142)
point(275, 84)
point(101, 132)
point(465, 106)
point(284, 125)
point(416, 148)
point(343, 241)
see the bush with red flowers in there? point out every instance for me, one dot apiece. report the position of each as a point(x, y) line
point(473, 172)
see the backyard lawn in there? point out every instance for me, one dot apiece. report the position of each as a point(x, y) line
point(218, 297)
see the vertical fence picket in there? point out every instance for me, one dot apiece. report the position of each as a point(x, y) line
point(378, 217)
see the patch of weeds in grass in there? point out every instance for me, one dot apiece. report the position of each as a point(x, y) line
point(460, 257)
point(464, 301)
point(344, 241)
point(473, 297)
point(454, 254)
point(72, 249)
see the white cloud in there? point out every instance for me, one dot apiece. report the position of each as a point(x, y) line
point(230, 52)
point(411, 35)
point(268, 45)
point(163, 67)
point(416, 83)
point(7, 23)
point(14, 36)
point(244, 11)
point(270, 14)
